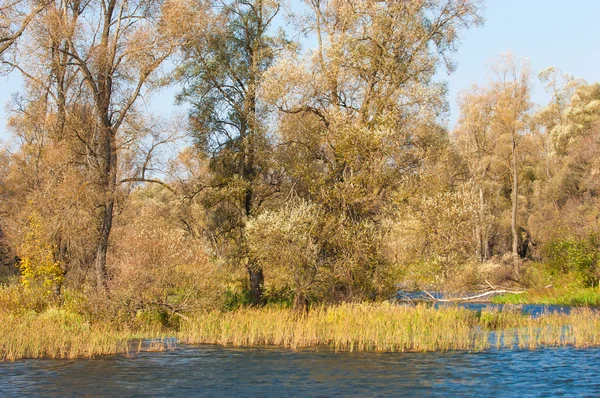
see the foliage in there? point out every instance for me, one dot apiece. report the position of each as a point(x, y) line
point(39, 269)
point(319, 257)
point(437, 229)
point(573, 254)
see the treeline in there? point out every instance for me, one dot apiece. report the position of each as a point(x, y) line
point(314, 165)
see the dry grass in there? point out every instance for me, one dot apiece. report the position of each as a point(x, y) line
point(389, 327)
point(59, 334)
point(346, 327)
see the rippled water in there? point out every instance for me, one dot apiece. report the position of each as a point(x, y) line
point(215, 371)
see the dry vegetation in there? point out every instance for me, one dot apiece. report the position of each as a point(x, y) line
point(380, 327)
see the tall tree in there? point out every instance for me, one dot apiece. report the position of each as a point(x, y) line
point(355, 117)
point(493, 122)
point(512, 108)
point(476, 142)
point(225, 60)
point(88, 65)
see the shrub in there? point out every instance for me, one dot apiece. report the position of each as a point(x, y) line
point(318, 256)
point(39, 270)
point(575, 254)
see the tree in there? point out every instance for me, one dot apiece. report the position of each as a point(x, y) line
point(476, 142)
point(88, 65)
point(354, 117)
point(494, 120)
point(224, 62)
point(511, 109)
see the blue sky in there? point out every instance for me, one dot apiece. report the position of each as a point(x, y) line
point(548, 32)
point(559, 33)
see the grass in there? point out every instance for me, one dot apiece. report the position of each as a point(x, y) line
point(346, 327)
point(393, 328)
point(60, 334)
point(571, 297)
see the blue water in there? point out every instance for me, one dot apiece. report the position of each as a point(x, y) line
point(217, 372)
point(534, 310)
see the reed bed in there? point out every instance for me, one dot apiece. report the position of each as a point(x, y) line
point(59, 334)
point(346, 327)
point(580, 329)
point(393, 328)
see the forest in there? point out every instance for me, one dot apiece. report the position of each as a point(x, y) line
point(314, 164)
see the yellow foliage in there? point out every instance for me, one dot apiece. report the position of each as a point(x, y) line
point(38, 268)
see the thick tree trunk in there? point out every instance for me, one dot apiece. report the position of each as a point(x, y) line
point(301, 303)
point(108, 186)
point(108, 149)
point(103, 238)
point(256, 285)
point(248, 174)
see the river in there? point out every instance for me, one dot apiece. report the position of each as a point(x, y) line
point(270, 372)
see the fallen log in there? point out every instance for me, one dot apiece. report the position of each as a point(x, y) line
point(477, 296)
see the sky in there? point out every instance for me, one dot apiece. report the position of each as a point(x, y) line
point(559, 33)
point(563, 34)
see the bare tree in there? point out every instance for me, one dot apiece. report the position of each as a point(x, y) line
point(90, 62)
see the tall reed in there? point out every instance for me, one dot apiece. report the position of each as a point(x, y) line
point(348, 327)
point(345, 327)
point(59, 334)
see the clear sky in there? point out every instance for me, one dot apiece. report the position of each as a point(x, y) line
point(559, 33)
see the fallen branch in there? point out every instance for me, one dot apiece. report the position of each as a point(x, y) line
point(478, 296)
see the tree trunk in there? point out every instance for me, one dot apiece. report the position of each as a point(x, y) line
point(108, 147)
point(481, 230)
point(515, 196)
point(248, 173)
point(256, 285)
point(108, 186)
point(301, 303)
point(107, 215)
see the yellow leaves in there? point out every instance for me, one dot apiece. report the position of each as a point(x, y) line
point(38, 268)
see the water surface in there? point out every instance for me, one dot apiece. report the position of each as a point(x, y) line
point(270, 372)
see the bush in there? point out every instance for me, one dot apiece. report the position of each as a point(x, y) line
point(315, 256)
point(41, 274)
point(575, 254)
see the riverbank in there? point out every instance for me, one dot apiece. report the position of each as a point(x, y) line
point(381, 327)
point(553, 296)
